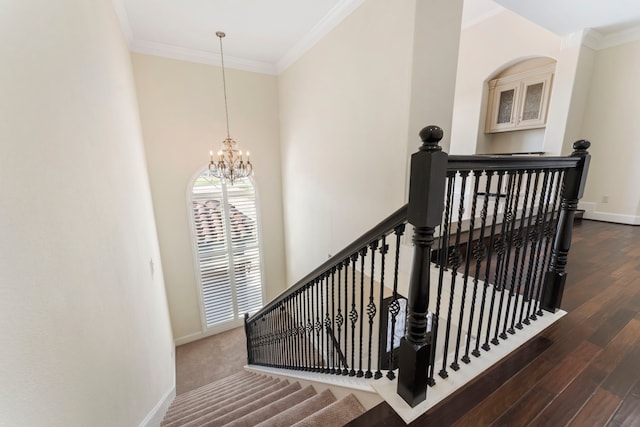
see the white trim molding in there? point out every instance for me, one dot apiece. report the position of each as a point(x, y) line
point(590, 212)
point(233, 324)
point(154, 418)
point(200, 56)
point(335, 16)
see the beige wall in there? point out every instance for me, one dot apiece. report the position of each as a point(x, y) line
point(182, 114)
point(86, 339)
point(344, 122)
point(351, 109)
point(611, 124)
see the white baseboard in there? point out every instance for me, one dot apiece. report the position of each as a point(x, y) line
point(590, 212)
point(156, 415)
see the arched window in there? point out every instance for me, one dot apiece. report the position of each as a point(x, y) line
point(227, 248)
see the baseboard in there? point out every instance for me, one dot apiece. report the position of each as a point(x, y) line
point(156, 415)
point(590, 212)
point(212, 331)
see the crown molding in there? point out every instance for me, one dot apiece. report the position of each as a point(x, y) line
point(478, 19)
point(200, 56)
point(621, 37)
point(335, 16)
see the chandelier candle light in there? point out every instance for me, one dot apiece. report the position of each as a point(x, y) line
point(229, 165)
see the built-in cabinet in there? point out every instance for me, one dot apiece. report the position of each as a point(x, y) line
point(519, 101)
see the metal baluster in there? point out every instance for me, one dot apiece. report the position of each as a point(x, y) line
point(327, 326)
point(345, 371)
point(394, 306)
point(481, 254)
point(525, 237)
point(476, 182)
point(339, 317)
point(322, 350)
point(492, 242)
point(528, 243)
point(353, 314)
point(444, 249)
point(504, 252)
point(536, 247)
point(318, 326)
point(363, 254)
point(548, 234)
point(371, 307)
point(383, 252)
point(310, 339)
point(478, 255)
point(454, 261)
point(513, 241)
point(332, 324)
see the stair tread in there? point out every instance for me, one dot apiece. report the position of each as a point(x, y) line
point(300, 411)
point(336, 414)
point(262, 414)
point(209, 415)
point(254, 405)
point(215, 400)
point(220, 394)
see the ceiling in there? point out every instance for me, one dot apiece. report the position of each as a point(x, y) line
point(268, 36)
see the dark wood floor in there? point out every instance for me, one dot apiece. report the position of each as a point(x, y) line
point(582, 371)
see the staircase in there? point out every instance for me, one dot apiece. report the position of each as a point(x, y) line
point(248, 399)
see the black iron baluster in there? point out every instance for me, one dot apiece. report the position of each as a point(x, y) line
point(444, 250)
point(345, 371)
point(503, 249)
point(548, 235)
point(536, 247)
point(363, 254)
point(322, 350)
point(528, 243)
point(394, 306)
point(339, 317)
point(332, 323)
point(383, 252)
point(455, 262)
point(480, 255)
point(492, 245)
point(318, 326)
point(327, 327)
point(513, 241)
point(353, 314)
point(524, 237)
point(476, 183)
point(310, 339)
point(371, 307)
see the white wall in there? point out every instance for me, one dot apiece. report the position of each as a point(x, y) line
point(86, 339)
point(486, 49)
point(611, 124)
point(344, 110)
point(182, 113)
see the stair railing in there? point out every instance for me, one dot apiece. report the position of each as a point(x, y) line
point(492, 233)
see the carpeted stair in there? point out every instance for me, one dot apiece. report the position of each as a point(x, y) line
point(248, 399)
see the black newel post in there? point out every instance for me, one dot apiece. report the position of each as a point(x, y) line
point(573, 189)
point(426, 199)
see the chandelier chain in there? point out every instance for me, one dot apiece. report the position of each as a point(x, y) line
point(220, 35)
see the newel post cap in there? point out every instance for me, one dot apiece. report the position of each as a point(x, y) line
point(581, 146)
point(431, 136)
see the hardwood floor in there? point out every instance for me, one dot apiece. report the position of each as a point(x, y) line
point(582, 371)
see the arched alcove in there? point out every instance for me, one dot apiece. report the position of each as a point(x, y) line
point(515, 103)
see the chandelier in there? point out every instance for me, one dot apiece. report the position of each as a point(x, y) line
point(229, 164)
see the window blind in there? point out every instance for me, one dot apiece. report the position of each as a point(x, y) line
point(227, 246)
